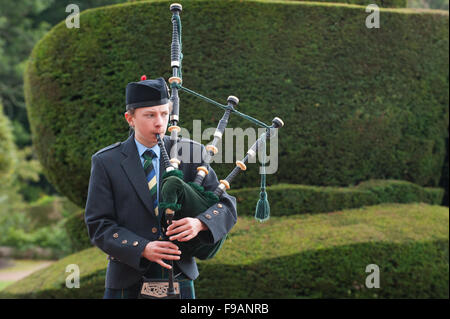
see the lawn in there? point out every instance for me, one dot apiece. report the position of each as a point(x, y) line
point(3, 284)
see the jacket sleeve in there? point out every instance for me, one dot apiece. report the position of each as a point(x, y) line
point(100, 218)
point(219, 218)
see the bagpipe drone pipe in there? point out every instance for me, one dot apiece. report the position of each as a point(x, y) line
point(180, 199)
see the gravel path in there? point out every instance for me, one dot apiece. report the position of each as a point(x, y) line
point(17, 274)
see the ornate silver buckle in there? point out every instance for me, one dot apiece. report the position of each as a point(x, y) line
point(159, 289)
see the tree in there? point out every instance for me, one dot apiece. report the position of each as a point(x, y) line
point(18, 35)
point(7, 153)
point(22, 24)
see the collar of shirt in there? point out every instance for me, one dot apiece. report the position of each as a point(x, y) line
point(142, 148)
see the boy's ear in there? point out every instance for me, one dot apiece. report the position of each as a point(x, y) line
point(128, 118)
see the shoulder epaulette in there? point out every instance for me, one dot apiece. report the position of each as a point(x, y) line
point(108, 148)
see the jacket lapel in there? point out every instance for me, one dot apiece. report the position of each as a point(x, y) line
point(133, 168)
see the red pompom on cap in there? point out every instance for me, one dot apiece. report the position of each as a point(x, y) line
point(143, 78)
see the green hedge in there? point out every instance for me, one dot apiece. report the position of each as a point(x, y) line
point(381, 3)
point(299, 256)
point(300, 199)
point(77, 232)
point(410, 270)
point(358, 103)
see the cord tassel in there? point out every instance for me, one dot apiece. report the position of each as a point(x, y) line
point(262, 207)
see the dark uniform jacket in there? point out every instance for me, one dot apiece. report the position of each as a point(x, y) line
point(120, 218)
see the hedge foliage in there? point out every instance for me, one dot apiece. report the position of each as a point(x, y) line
point(299, 256)
point(358, 103)
point(77, 232)
point(7, 148)
point(287, 199)
point(380, 3)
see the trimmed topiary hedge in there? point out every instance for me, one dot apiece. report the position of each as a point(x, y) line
point(299, 256)
point(300, 199)
point(358, 103)
point(407, 270)
point(77, 232)
point(380, 3)
point(387, 191)
point(445, 175)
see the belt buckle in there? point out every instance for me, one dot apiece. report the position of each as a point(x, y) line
point(159, 289)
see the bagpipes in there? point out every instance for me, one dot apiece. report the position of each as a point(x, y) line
point(180, 199)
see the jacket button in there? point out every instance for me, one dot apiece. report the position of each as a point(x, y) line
point(135, 243)
point(116, 235)
point(208, 216)
point(219, 205)
point(154, 230)
point(124, 241)
point(156, 211)
point(215, 212)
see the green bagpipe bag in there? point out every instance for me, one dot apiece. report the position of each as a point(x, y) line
point(188, 200)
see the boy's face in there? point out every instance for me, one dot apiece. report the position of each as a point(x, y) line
point(148, 121)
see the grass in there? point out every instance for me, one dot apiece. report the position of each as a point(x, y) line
point(300, 256)
point(3, 284)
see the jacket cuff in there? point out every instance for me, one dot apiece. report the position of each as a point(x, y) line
point(128, 248)
point(217, 220)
